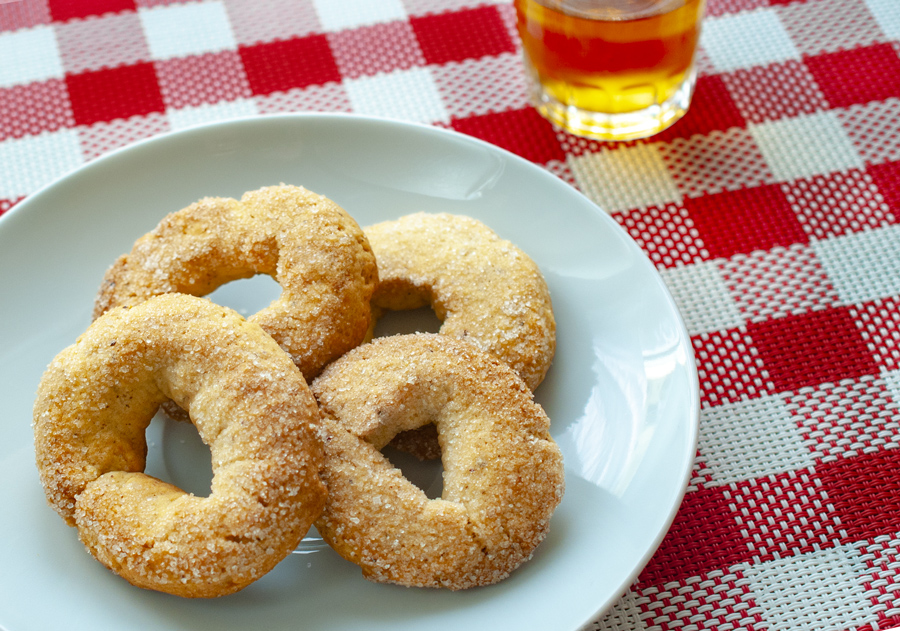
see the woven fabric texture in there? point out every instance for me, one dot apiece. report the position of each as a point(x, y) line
point(772, 211)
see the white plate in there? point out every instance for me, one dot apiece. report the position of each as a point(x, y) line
point(622, 393)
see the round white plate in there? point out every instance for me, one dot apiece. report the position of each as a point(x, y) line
point(622, 394)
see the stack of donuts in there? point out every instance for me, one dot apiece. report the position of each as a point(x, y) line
point(297, 401)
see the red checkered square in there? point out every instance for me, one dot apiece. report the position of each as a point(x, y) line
point(123, 92)
point(719, 161)
point(882, 558)
point(846, 419)
point(68, 9)
point(6, 204)
point(886, 178)
point(717, 600)
point(779, 282)
point(459, 35)
point(523, 132)
point(774, 91)
point(783, 515)
point(293, 63)
point(865, 493)
point(857, 76)
point(665, 233)
point(839, 203)
point(812, 348)
point(101, 138)
point(874, 129)
point(24, 14)
point(255, 21)
point(705, 536)
point(711, 108)
point(378, 48)
point(880, 321)
point(95, 43)
point(728, 367)
point(742, 221)
point(34, 108)
point(199, 79)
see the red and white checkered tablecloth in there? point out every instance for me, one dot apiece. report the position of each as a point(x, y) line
point(772, 212)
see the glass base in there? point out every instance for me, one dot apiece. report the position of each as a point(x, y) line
point(619, 126)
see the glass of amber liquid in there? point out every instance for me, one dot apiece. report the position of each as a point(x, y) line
point(611, 69)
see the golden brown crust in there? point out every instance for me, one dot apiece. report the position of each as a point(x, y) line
point(485, 289)
point(250, 405)
point(503, 474)
point(306, 242)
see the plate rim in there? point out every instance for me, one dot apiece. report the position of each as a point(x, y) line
point(692, 416)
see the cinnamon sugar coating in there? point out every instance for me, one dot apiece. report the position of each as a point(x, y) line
point(503, 474)
point(484, 289)
point(306, 242)
point(250, 405)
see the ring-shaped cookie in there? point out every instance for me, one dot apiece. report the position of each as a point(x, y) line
point(503, 474)
point(483, 288)
point(250, 405)
point(314, 250)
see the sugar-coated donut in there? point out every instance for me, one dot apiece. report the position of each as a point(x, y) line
point(484, 289)
point(250, 405)
point(503, 474)
point(306, 242)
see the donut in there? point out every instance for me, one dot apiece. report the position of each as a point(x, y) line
point(503, 473)
point(483, 288)
point(315, 251)
point(250, 405)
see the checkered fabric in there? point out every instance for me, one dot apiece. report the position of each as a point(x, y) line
point(772, 211)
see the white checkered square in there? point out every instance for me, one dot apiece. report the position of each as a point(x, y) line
point(812, 25)
point(892, 381)
point(702, 297)
point(254, 21)
point(863, 266)
point(199, 115)
point(409, 95)
point(887, 14)
point(33, 161)
point(806, 145)
point(479, 86)
point(193, 28)
point(336, 15)
point(102, 42)
point(624, 615)
point(751, 38)
point(778, 282)
point(101, 138)
point(874, 129)
point(29, 55)
point(847, 419)
point(625, 178)
point(715, 162)
point(751, 439)
point(420, 7)
point(879, 322)
point(814, 591)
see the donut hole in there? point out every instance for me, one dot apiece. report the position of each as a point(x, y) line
point(401, 322)
point(247, 295)
point(177, 455)
point(428, 475)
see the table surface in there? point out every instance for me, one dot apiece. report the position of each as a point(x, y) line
point(771, 211)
